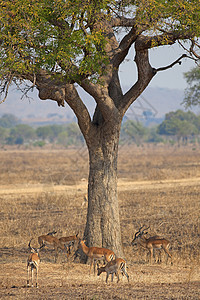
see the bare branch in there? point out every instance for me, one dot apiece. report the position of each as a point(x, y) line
point(79, 108)
point(178, 61)
point(7, 85)
point(191, 50)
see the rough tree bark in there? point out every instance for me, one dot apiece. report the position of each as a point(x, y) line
point(103, 224)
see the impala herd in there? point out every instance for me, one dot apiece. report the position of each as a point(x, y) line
point(112, 264)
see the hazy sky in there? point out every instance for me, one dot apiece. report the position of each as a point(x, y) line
point(161, 56)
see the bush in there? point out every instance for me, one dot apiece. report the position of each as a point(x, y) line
point(39, 144)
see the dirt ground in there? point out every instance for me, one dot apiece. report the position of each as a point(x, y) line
point(45, 190)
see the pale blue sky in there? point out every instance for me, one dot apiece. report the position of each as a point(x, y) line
point(172, 78)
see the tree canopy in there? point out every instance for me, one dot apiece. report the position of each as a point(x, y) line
point(192, 93)
point(8, 121)
point(70, 39)
point(180, 124)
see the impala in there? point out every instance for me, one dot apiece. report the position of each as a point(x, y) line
point(96, 253)
point(67, 239)
point(46, 237)
point(114, 267)
point(33, 262)
point(52, 241)
point(151, 243)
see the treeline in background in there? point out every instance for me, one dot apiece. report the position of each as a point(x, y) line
point(177, 127)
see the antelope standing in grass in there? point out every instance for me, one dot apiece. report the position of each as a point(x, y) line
point(96, 254)
point(46, 237)
point(151, 243)
point(33, 262)
point(71, 238)
point(69, 241)
point(114, 267)
point(52, 241)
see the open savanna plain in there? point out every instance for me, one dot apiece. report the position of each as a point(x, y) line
point(44, 190)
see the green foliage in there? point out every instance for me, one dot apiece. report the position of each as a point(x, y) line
point(179, 124)
point(8, 121)
point(21, 133)
point(171, 15)
point(64, 135)
point(49, 34)
point(132, 131)
point(68, 38)
point(63, 138)
point(153, 136)
point(13, 133)
point(3, 134)
point(43, 132)
point(74, 135)
point(39, 144)
point(49, 132)
point(71, 135)
point(192, 93)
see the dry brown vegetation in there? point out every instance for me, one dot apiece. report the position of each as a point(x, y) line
point(44, 190)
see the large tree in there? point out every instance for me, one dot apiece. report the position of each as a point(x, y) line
point(54, 45)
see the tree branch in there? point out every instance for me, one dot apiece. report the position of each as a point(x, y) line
point(145, 74)
point(6, 87)
point(167, 38)
point(178, 61)
point(148, 42)
point(121, 21)
point(79, 108)
point(60, 91)
point(124, 46)
point(191, 50)
point(101, 97)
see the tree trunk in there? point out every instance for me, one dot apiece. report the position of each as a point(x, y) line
point(103, 224)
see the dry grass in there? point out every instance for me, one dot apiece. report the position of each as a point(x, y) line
point(42, 191)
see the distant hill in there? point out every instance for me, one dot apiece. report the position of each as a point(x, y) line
point(154, 103)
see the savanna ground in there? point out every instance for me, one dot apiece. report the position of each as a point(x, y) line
point(42, 190)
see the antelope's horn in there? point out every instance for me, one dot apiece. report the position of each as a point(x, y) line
point(141, 228)
point(146, 228)
point(29, 244)
point(43, 245)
